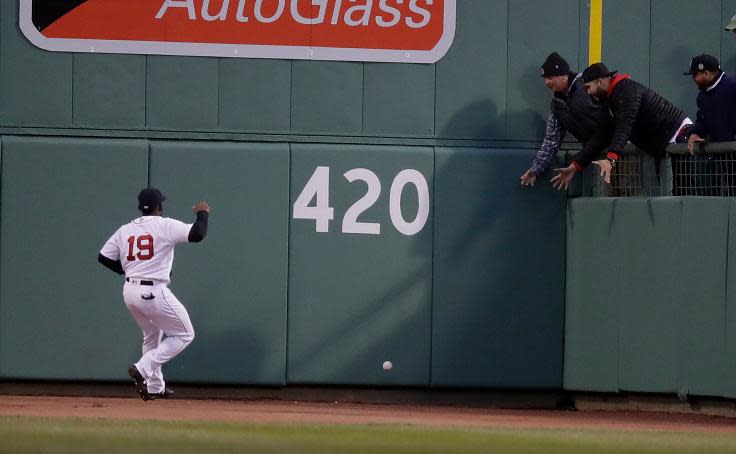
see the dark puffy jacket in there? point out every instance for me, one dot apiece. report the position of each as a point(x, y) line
point(576, 111)
point(636, 113)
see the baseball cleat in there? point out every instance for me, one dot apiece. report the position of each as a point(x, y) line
point(140, 383)
point(167, 393)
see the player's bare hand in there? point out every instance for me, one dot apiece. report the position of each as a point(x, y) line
point(561, 181)
point(694, 138)
point(606, 167)
point(201, 206)
point(529, 178)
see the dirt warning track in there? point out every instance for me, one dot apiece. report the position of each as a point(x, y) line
point(291, 412)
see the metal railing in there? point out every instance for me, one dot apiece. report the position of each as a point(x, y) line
point(626, 177)
point(710, 172)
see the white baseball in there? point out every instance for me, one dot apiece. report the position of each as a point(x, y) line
point(388, 365)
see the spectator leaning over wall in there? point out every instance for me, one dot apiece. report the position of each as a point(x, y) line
point(571, 110)
point(715, 122)
point(631, 112)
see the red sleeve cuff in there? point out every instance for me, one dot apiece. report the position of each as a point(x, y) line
point(613, 155)
point(577, 165)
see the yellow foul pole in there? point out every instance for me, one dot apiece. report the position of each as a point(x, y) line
point(596, 30)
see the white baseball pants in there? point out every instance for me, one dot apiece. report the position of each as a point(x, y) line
point(158, 314)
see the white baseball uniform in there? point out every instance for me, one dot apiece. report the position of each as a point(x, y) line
point(145, 248)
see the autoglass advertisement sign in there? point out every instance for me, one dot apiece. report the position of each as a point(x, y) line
point(412, 31)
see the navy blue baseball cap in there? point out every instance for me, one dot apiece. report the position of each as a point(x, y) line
point(149, 199)
point(703, 62)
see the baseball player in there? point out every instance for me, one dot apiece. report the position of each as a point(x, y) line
point(143, 250)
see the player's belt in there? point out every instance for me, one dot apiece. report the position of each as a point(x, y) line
point(138, 281)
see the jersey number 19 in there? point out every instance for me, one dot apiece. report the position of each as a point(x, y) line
point(145, 248)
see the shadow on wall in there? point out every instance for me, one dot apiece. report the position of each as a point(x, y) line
point(499, 273)
point(529, 122)
point(482, 119)
point(496, 300)
point(487, 242)
point(408, 299)
point(477, 120)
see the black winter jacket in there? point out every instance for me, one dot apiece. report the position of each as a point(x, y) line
point(636, 113)
point(576, 111)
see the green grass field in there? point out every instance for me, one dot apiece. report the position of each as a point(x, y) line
point(106, 436)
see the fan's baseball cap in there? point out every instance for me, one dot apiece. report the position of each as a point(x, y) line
point(731, 26)
point(703, 62)
point(596, 71)
point(150, 198)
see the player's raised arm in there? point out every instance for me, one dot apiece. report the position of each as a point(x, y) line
point(199, 228)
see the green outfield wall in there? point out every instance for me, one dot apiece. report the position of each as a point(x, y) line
point(448, 300)
point(650, 295)
point(363, 212)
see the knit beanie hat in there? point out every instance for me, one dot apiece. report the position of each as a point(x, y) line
point(555, 65)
